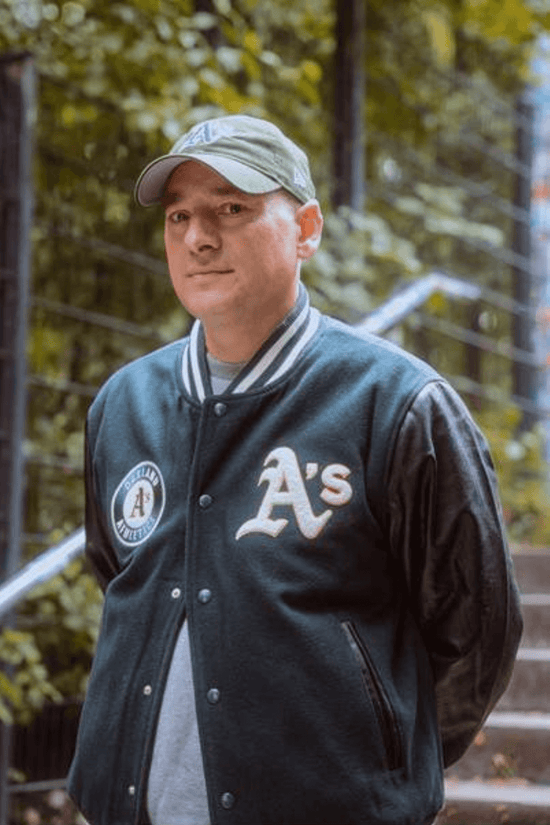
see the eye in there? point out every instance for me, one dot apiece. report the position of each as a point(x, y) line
point(176, 217)
point(231, 208)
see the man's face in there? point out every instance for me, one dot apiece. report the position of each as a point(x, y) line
point(232, 257)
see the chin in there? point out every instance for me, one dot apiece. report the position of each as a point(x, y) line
point(209, 309)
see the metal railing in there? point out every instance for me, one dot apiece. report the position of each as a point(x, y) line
point(391, 313)
point(40, 570)
point(395, 309)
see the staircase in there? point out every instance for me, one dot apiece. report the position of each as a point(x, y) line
point(504, 777)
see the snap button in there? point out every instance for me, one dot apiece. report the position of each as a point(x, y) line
point(220, 409)
point(147, 690)
point(132, 790)
point(213, 696)
point(204, 595)
point(176, 593)
point(227, 800)
point(205, 501)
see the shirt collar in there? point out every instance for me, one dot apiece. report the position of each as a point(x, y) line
point(274, 359)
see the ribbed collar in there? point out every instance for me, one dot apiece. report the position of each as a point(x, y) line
point(274, 358)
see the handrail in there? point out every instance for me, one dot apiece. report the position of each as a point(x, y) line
point(41, 569)
point(392, 312)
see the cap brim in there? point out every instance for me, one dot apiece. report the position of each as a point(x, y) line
point(152, 181)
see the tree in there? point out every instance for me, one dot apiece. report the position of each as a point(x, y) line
point(119, 82)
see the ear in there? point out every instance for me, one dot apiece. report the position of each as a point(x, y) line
point(310, 220)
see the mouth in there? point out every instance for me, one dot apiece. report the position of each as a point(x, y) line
point(209, 272)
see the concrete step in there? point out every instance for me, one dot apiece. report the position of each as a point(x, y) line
point(536, 617)
point(505, 775)
point(510, 745)
point(528, 687)
point(532, 568)
point(489, 803)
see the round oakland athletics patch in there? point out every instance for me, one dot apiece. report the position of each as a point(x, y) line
point(138, 503)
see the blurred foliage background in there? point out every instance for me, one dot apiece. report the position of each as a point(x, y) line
point(118, 83)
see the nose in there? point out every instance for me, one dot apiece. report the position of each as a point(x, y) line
point(202, 234)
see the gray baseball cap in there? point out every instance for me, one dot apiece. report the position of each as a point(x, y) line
point(252, 154)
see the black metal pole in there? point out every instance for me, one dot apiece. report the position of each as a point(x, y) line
point(349, 105)
point(17, 113)
point(525, 378)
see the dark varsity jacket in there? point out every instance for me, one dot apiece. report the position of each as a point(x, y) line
point(331, 530)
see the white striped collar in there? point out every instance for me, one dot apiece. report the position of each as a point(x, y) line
point(274, 358)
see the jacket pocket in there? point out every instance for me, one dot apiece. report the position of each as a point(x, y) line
point(384, 712)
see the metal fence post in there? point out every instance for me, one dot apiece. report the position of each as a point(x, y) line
point(17, 111)
point(349, 105)
point(525, 377)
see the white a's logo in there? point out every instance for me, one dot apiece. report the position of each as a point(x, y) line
point(286, 488)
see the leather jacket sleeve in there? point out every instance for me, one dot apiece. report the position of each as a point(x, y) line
point(447, 533)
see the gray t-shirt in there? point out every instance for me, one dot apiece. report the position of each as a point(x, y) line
point(176, 793)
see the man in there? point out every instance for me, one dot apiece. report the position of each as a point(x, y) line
point(309, 602)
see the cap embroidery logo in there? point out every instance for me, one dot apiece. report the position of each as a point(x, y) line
point(204, 134)
point(286, 488)
point(138, 504)
point(299, 179)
